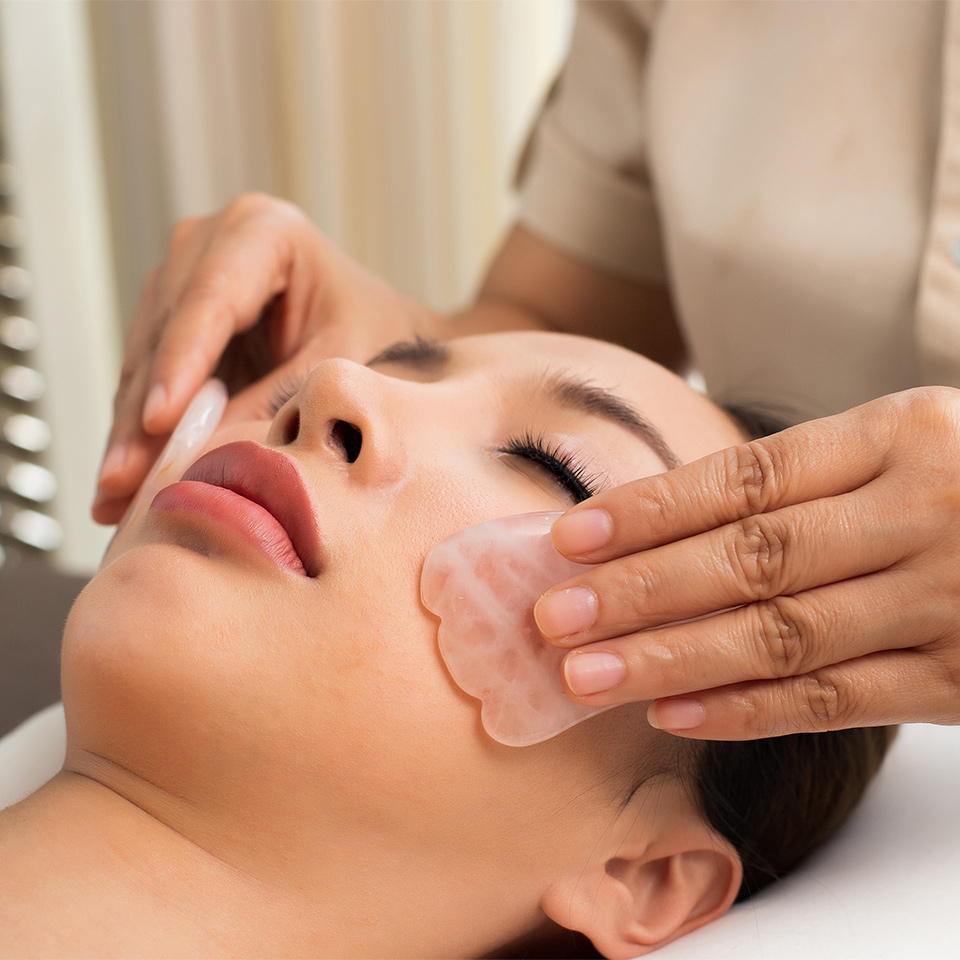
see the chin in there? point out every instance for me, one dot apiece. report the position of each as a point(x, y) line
point(143, 672)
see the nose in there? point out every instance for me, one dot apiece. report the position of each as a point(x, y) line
point(344, 411)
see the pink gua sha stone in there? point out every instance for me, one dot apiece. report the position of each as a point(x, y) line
point(196, 427)
point(482, 583)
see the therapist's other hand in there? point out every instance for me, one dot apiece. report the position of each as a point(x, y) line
point(256, 294)
point(824, 561)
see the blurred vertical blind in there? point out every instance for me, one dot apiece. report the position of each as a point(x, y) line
point(51, 144)
point(26, 485)
point(395, 125)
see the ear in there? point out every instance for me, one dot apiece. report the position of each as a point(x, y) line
point(629, 906)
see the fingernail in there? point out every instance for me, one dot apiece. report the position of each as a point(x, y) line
point(568, 611)
point(114, 460)
point(676, 713)
point(583, 532)
point(592, 672)
point(155, 402)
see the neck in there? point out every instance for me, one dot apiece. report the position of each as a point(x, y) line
point(119, 882)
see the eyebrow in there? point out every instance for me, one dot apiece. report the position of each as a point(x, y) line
point(565, 389)
point(577, 394)
point(418, 353)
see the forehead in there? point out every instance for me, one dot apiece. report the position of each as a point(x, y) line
point(690, 423)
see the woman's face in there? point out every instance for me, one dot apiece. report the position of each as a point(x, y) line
point(204, 660)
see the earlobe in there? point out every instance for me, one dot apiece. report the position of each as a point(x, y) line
point(631, 906)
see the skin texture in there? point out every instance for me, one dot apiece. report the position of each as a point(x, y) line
point(291, 749)
point(864, 503)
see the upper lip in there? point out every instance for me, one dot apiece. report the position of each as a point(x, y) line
point(273, 481)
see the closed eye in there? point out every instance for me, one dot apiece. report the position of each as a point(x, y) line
point(562, 468)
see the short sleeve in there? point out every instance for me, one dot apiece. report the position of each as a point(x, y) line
point(582, 180)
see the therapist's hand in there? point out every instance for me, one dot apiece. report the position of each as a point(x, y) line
point(824, 560)
point(258, 295)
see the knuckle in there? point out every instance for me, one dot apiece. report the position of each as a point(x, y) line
point(248, 204)
point(754, 471)
point(658, 507)
point(181, 232)
point(756, 553)
point(781, 637)
point(928, 412)
point(255, 204)
point(921, 428)
point(823, 704)
point(752, 719)
point(936, 402)
point(631, 590)
point(675, 657)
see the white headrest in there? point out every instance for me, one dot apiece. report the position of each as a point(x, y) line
point(31, 754)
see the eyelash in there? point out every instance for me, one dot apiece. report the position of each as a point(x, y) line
point(285, 390)
point(563, 468)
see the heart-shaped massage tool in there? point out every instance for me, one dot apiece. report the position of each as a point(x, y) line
point(482, 583)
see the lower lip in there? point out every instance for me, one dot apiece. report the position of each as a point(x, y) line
point(251, 522)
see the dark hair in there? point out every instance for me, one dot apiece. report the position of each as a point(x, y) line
point(757, 420)
point(777, 800)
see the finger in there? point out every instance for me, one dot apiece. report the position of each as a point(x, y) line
point(115, 493)
point(884, 688)
point(140, 342)
point(161, 290)
point(822, 458)
point(121, 469)
point(119, 473)
point(237, 278)
point(109, 512)
point(774, 639)
point(752, 559)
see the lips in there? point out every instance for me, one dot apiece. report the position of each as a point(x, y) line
point(260, 494)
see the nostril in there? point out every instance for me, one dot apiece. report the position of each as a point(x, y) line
point(291, 428)
point(349, 437)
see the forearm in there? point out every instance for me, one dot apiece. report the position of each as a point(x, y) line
point(532, 285)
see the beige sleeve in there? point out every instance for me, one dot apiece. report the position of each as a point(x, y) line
point(582, 178)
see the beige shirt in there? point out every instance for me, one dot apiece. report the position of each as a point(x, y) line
point(791, 169)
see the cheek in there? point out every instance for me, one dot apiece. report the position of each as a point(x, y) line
point(193, 671)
